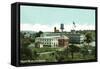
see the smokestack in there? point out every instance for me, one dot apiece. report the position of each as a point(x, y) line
point(54, 29)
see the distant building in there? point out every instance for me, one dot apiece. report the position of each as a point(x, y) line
point(56, 30)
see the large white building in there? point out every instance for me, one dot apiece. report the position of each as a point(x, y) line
point(49, 41)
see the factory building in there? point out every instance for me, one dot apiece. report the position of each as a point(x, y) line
point(48, 41)
point(76, 38)
point(52, 41)
point(59, 39)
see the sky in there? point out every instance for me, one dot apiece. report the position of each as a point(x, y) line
point(35, 18)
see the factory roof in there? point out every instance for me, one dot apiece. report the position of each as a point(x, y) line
point(59, 37)
point(63, 37)
point(49, 37)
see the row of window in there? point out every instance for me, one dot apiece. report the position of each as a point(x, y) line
point(46, 39)
point(50, 43)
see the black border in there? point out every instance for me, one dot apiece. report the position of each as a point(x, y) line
point(15, 32)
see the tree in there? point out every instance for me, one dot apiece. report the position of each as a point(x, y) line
point(88, 38)
point(21, 35)
point(39, 34)
point(34, 55)
point(73, 49)
point(25, 51)
point(59, 55)
point(66, 52)
point(84, 51)
point(62, 55)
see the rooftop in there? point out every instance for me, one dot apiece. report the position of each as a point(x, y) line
point(60, 37)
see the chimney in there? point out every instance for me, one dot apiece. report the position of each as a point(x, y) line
point(54, 29)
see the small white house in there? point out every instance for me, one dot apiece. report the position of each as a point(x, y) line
point(38, 44)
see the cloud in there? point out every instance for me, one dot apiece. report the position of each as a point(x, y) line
point(49, 28)
point(35, 27)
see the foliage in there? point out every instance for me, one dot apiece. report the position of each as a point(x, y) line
point(84, 51)
point(25, 51)
point(59, 56)
point(73, 49)
point(88, 38)
point(38, 34)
